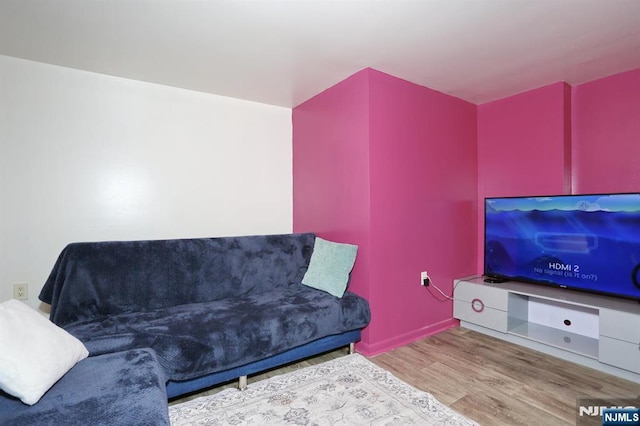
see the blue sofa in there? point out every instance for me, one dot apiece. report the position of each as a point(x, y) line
point(212, 309)
point(117, 389)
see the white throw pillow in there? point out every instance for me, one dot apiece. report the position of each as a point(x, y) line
point(34, 352)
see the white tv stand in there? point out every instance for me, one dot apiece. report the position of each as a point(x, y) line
point(596, 331)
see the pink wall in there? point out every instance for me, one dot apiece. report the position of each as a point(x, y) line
point(402, 171)
point(423, 200)
point(606, 134)
point(524, 147)
point(391, 166)
point(331, 171)
point(561, 139)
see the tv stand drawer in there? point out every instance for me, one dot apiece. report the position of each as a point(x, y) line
point(480, 314)
point(491, 297)
point(620, 354)
point(620, 325)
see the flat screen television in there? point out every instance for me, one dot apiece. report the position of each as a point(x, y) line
point(582, 242)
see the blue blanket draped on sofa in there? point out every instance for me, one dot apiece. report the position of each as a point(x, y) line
point(204, 305)
point(119, 389)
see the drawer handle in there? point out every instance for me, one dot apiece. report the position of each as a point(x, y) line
point(477, 305)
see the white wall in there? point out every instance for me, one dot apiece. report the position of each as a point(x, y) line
point(88, 157)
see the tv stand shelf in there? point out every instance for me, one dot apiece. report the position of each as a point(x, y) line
point(576, 343)
point(600, 332)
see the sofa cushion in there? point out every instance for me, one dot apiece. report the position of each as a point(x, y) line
point(202, 338)
point(118, 389)
point(330, 266)
point(91, 280)
point(34, 352)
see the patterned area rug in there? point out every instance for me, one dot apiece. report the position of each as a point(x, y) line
point(345, 391)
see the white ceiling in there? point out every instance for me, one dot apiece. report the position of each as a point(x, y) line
point(283, 52)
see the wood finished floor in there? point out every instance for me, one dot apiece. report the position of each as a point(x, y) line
point(488, 380)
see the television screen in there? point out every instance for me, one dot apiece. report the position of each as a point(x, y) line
point(582, 242)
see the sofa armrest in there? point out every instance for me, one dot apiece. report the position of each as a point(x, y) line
point(122, 388)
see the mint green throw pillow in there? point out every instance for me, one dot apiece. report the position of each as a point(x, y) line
point(330, 266)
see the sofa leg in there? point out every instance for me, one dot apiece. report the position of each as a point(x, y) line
point(352, 347)
point(242, 382)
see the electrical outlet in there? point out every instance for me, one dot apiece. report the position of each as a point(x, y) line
point(424, 279)
point(21, 291)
